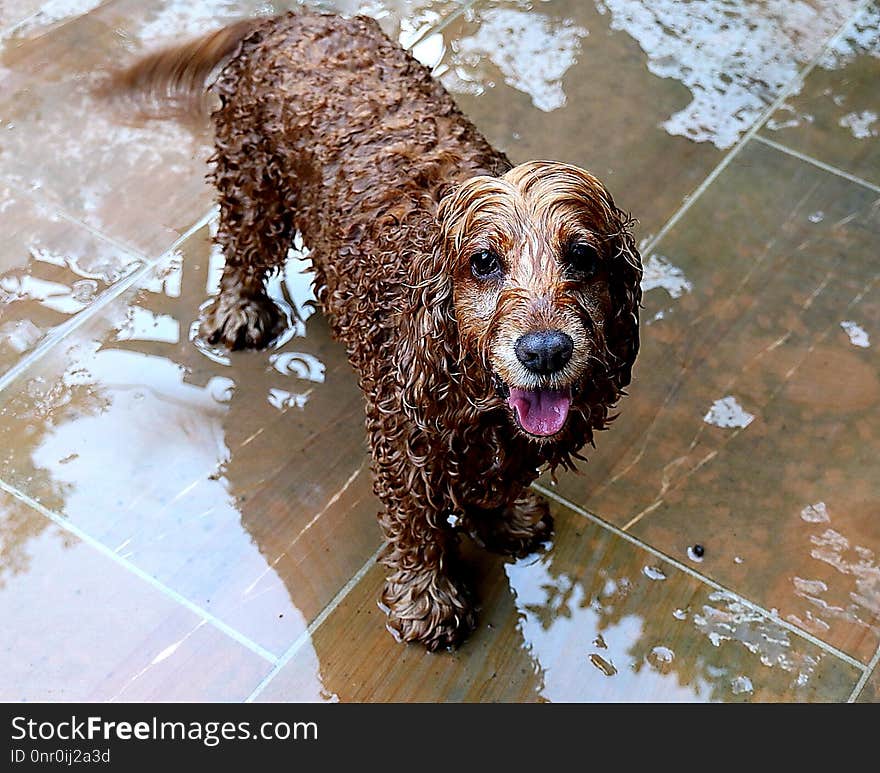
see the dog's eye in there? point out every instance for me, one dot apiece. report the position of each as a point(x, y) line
point(582, 258)
point(485, 264)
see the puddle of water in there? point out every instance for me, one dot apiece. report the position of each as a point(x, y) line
point(707, 655)
point(50, 270)
point(206, 474)
point(862, 38)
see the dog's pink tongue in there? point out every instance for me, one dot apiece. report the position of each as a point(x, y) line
point(541, 411)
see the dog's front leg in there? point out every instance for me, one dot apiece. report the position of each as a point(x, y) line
point(516, 529)
point(425, 600)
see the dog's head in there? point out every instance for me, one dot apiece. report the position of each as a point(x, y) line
point(544, 284)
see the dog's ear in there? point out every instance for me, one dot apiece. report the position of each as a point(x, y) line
point(427, 357)
point(626, 297)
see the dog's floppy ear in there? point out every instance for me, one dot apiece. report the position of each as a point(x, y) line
point(427, 357)
point(626, 297)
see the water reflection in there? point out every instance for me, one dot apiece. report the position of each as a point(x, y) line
point(859, 606)
point(617, 634)
point(50, 270)
point(150, 446)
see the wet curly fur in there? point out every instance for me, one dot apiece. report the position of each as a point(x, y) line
point(326, 126)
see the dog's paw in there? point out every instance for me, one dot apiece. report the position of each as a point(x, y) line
point(428, 609)
point(241, 322)
point(515, 531)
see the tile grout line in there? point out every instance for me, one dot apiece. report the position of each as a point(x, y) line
point(617, 531)
point(860, 685)
point(752, 132)
point(106, 298)
point(306, 635)
point(170, 593)
point(817, 163)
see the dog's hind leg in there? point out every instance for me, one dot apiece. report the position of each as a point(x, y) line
point(255, 232)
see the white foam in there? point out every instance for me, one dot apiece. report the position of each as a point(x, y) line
point(728, 413)
point(860, 124)
point(733, 57)
point(657, 271)
point(858, 336)
point(532, 51)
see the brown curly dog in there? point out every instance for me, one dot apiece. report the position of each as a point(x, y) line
point(490, 310)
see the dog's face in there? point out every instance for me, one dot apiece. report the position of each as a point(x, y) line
point(537, 258)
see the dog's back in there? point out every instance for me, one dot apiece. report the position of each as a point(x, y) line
point(353, 135)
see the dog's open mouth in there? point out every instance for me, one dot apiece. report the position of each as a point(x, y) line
point(540, 412)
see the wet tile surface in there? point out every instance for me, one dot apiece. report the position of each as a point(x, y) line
point(752, 419)
point(241, 481)
point(835, 117)
point(78, 627)
point(51, 269)
point(571, 625)
point(648, 96)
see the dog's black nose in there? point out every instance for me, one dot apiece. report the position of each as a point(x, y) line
point(544, 352)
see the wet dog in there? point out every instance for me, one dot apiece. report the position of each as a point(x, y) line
point(490, 310)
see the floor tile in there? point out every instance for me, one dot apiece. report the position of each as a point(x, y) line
point(241, 481)
point(79, 627)
point(835, 116)
point(51, 269)
point(647, 95)
point(593, 619)
point(751, 423)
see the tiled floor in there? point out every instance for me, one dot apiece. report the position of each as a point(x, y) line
point(181, 524)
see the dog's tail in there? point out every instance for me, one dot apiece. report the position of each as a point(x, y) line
point(173, 82)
